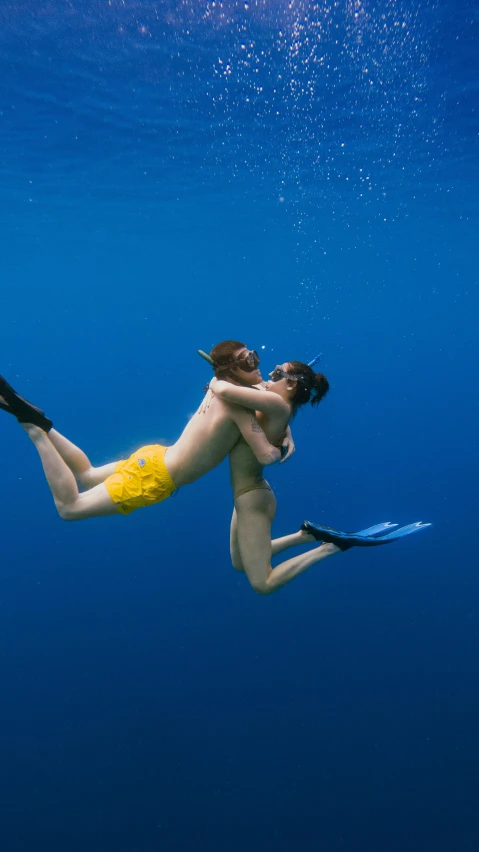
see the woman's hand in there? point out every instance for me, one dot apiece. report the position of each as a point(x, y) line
point(288, 443)
point(206, 402)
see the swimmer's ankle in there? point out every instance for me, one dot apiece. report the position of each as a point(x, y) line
point(306, 538)
point(33, 432)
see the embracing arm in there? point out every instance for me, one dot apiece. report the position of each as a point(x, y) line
point(254, 436)
point(288, 445)
point(252, 398)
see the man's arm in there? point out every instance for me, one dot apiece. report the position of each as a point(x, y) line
point(252, 398)
point(254, 435)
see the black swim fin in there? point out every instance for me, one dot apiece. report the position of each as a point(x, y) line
point(21, 408)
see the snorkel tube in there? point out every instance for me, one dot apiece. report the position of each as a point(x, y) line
point(206, 357)
point(315, 360)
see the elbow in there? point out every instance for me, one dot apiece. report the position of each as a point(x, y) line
point(219, 391)
point(273, 455)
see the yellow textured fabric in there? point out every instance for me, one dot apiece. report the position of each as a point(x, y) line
point(141, 480)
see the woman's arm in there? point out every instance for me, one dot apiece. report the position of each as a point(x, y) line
point(255, 400)
point(254, 436)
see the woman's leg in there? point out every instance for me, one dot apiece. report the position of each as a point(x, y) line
point(78, 461)
point(277, 545)
point(234, 545)
point(255, 513)
point(71, 505)
point(294, 540)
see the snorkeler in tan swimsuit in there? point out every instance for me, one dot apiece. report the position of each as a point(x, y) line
point(291, 385)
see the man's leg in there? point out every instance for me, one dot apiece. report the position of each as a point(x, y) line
point(255, 513)
point(79, 463)
point(71, 505)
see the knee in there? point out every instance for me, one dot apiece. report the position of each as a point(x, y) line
point(87, 478)
point(261, 587)
point(66, 513)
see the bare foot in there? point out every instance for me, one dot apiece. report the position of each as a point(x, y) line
point(306, 538)
point(326, 546)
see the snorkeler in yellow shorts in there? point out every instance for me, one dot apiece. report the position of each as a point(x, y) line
point(152, 473)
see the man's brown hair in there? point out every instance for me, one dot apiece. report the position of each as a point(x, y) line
point(224, 353)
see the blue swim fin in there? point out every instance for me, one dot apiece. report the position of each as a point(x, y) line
point(379, 528)
point(402, 531)
point(370, 537)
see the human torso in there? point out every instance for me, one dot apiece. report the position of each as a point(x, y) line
point(245, 470)
point(204, 443)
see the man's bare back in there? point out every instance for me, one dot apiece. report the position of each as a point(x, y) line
point(210, 436)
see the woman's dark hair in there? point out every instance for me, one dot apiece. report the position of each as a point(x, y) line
point(224, 353)
point(311, 387)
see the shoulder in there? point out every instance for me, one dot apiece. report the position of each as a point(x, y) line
point(266, 400)
point(281, 404)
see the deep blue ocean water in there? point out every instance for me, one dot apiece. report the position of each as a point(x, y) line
point(301, 176)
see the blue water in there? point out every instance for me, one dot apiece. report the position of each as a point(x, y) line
point(303, 177)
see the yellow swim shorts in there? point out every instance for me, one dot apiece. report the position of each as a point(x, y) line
point(141, 480)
